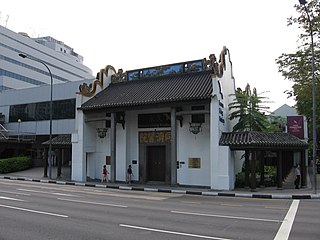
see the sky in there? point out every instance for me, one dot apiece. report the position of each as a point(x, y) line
point(133, 34)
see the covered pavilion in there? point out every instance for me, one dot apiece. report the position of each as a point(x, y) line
point(259, 145)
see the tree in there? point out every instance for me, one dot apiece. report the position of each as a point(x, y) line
point(248, 109)
point(297, 67)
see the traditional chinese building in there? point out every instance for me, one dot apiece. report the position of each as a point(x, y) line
point(164, 121)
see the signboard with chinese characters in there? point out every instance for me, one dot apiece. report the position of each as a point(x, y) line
point(155, 137)
point(295, 126)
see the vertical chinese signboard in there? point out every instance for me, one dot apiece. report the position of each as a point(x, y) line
point(295, 126)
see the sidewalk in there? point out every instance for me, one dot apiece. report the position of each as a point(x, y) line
point(288, 191)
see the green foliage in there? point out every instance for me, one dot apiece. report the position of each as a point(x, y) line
point(297, 66)
point(277, 124)
point(248, 109)
point(15, 164)
point(240, 180)
point(270, 175)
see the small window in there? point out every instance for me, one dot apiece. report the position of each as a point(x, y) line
point(197, 118)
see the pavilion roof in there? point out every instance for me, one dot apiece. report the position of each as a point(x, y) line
point(261, 140)
point(61, 140)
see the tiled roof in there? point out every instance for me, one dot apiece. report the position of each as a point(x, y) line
point(165, 89)
point(64, 139)
point(246, 140)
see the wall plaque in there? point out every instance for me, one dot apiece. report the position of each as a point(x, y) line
point(194, 163)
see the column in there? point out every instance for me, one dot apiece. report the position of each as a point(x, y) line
point(253, 171)
point(247, 169)
point(59, 162)
point(113, 148)
point(303, 169)
point(45, 162)
point(173, 147)
point(261, 154)
point(279, 170)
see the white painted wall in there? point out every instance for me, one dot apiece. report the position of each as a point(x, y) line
point(121, 156)
point(222, 160)
point(132, 141)
point(78, 171)
point(193, 146)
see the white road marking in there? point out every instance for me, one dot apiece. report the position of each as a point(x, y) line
point(16, 193)
point(63, 194)
point(102, 193)
point(285, 228)
point(13, 199)
point(131, 196)
point(172, 232)
point(34, 211)
point(53, 193)
point(226, 216)
point(95, 203)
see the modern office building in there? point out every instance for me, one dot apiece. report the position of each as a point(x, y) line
point(15, 72)
point(25, 115)
point(25, 87)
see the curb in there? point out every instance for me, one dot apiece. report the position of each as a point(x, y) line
point(166, 190)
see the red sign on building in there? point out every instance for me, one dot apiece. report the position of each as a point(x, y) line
point(295, 126)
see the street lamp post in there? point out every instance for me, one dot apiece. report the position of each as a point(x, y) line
point(19, 121)
point(314, 133)
point(50, 108)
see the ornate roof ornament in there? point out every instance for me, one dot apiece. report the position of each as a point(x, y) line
point(216, 67)
point(90, 90)
point(120, 76)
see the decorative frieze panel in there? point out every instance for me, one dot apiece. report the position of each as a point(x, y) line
point(154, 137)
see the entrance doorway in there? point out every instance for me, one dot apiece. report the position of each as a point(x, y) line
point(156, 162)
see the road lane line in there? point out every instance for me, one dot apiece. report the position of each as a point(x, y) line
point(13, 199)
point(53, 193)
point(172, 232)
point(285, 228)
point(34, 211)
point(95, 203)
point(63, 194)
point(231, 205)
point(189, 202)
point(226, 216)
point(276, 208)
point(16, 193)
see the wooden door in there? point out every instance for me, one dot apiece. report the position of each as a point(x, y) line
point(156, 159)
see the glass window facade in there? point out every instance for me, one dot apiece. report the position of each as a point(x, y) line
point(62, 109)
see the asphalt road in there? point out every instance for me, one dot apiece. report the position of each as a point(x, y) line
point(31, 210)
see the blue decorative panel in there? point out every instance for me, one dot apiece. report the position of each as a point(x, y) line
point(133, 75)
point(177, 68)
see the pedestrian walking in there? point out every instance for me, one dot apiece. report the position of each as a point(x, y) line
point(298, 176)
point(129, 175)
point(104, 174)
